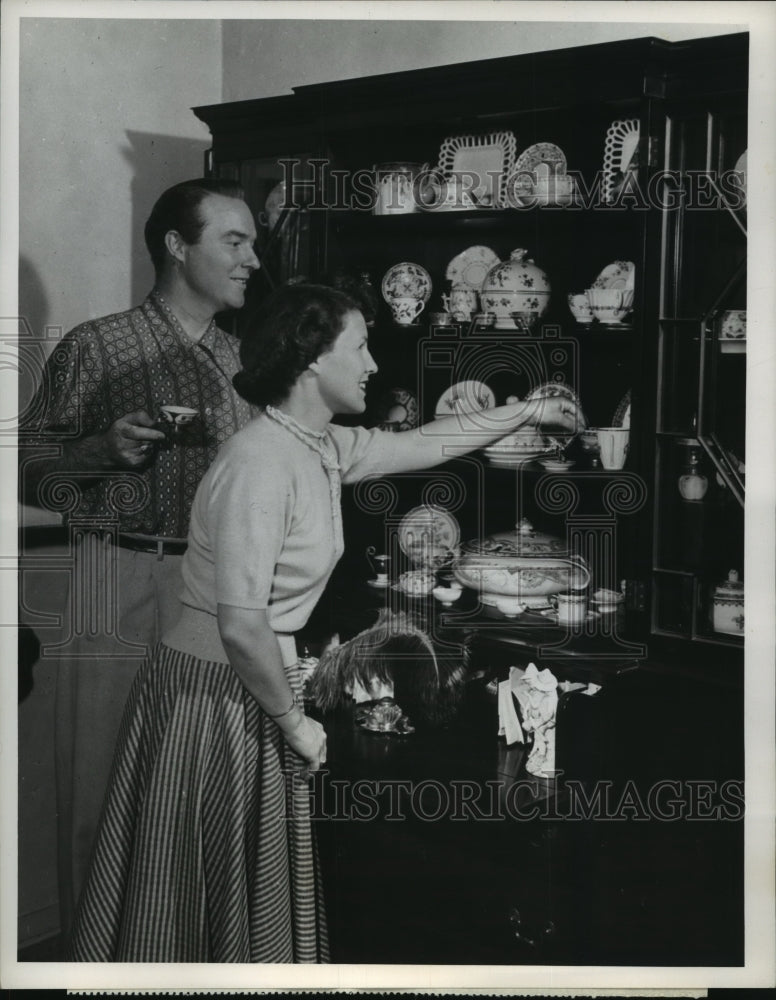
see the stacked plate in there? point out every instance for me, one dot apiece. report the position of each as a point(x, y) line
point(516, 449)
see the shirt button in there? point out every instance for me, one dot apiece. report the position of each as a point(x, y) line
point(208, 410)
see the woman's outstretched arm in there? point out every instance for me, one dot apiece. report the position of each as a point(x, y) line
point(442, 439)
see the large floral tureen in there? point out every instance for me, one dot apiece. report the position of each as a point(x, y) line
point(524, 564)
point(516, 291)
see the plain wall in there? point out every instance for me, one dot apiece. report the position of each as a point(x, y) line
point(105, 126)
point(269, 58)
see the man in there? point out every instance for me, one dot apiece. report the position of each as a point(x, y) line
point(132, 484)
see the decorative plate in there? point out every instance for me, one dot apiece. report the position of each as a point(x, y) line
point(527, 452)
point(549, 389)
point(620, 274)
point(556, 464)
point(402, 410)
point(505, 462)
point(406, 280)
point(470, 266)
point(429, 535)
point(464, 397)
point(621, 416)
point(490, 158)
point(543, 159)
point(620, 156)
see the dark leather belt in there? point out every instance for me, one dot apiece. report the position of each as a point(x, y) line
point(148, 543)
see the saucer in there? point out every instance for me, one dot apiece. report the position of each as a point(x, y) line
point(552, 614)
point(378, 584)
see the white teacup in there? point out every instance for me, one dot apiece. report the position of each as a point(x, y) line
point(571, 608)
point(172, 417)
point(553, 189)
point(610, 305)
point(580, 307)
point(612, 445)
point(406, 310)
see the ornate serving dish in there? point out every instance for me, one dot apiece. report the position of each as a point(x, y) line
point(524, 563)
point(516, 291)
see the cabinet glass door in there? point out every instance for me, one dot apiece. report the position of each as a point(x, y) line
point(698, 540)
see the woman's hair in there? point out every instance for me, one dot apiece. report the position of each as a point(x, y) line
point(294, 327)
point(178, 209)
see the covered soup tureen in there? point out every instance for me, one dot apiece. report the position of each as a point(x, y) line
point(524, 564)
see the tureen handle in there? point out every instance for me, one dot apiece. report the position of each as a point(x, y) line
point(580, 563)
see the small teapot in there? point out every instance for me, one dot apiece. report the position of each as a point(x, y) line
point(461, 302)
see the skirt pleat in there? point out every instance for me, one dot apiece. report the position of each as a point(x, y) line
point(205, 851)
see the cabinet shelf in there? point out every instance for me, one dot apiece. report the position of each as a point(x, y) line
point(417, 223)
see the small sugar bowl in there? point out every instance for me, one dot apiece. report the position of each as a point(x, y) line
point(728, 615)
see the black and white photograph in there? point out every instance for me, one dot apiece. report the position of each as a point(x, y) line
point(388, 496)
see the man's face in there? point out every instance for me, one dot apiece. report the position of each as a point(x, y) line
point(216, 268)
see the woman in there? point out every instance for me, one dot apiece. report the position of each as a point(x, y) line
point(205, 851)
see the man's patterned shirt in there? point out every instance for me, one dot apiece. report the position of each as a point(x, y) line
point(140, 359)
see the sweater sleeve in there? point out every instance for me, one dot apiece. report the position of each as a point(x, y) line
point(249, 509)
point(363, 452)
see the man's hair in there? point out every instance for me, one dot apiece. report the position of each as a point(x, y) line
point(295, 326)
point(178, 209)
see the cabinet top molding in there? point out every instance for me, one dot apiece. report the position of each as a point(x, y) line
point(587, 74)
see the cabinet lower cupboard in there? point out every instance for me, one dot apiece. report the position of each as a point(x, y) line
point(620, 172)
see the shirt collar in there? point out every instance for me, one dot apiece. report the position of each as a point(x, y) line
point(210, 338)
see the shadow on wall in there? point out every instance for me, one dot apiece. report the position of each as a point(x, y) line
point(35, 341)
point(158, 162)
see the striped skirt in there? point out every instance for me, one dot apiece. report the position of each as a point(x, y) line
point(205, 851)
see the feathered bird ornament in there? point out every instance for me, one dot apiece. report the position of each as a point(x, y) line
point(427, 678)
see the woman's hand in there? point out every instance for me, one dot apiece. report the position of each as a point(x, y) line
point(307, 738)
point(557, 413)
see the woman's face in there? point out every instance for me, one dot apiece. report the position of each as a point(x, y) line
point(343, 371)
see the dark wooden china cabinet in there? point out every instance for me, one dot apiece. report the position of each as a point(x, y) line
point(579, 892)
point(675, 213)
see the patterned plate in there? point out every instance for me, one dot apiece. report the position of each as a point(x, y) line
point(620, 156)
point(464, 397)
point(402, 410)
point(488, 160)
point(528, 167)
point(470, 266)
point(549, 389)
point(429, 535)
point(406, 280)
point(618, 274)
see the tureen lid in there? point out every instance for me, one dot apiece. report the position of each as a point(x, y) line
point(732, 586)
point(524, 540)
